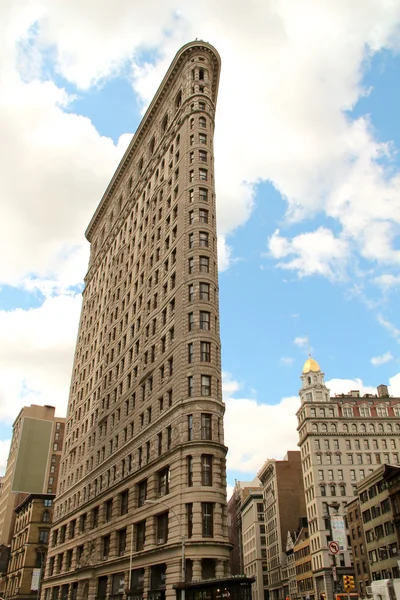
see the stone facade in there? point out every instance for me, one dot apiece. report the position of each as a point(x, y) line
point(144, 458)
point(342, 440)
point(254, 543)
point(29, 547)
point(46, 450)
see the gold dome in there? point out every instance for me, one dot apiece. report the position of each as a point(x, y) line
point(311, 365)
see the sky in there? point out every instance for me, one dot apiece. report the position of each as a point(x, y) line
point(308, 191)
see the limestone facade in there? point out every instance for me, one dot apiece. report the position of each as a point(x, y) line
point(143, 467)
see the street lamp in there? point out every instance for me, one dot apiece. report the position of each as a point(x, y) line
point(183, 570)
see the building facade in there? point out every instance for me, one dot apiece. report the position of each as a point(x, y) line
point(29, 547)
point(254, 543)
point(241, 491)
point(33, 461)
point(143, 468)
point(283, 494)
point(342, 439)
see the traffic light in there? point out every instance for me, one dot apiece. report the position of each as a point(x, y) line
point(348, 582)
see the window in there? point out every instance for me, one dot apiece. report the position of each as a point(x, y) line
point(204, 320)
point(140, 535)
point(44, 536)
point(206, 426)
point(202, 138)
point(169, 437)
point(202, 122)
point(204, 291)
point(191, 217)
point(189, 463)
point(163, 482)
point(205, 385)
point(207, 511)
point(203, 195)
point(347, 411)
point(142, 492)
point(190, 383)
point(202, 156)
point(189, 517)
point(364, 411)
point(203, 239)
point(105, 542)
point(121, 540)
point(190, 352)
point(381, 411)
point(190, 321)
point(191, 265)
point(191, 292)
point(191, 240)
point(46, 516)
point(205, 351)
point(203, 216)
point(162, 528)
point(190, 427)
point(206, 469)
point(203, 174)
point(204, 264)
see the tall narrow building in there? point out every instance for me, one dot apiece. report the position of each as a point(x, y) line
point(143, 467)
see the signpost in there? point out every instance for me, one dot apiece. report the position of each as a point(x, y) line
point(333, 548)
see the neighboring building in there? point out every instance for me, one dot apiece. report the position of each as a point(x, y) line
point(289, 572)
point(377, 517)
point(392, 479)
point(254, 543)
point(302, 560)
point(144, 456)
point(29, 547)
point(342, 440)
point(362, 570)
point(33, 461)
point(240, 492)
point(283, 493)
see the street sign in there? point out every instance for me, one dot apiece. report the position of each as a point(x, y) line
point(333, 548)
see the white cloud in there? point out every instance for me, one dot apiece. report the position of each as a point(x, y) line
point(301, 341)
point(381, 360)
point(316, 253)
point(36, 352)
point(389, 326)
point(343, 386)
point(287, 360)
point(387, 281)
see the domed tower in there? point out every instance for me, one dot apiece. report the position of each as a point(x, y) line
point(313, 385)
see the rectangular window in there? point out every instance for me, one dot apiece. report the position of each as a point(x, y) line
point(106, 545)
point(202, 138)
point(204, 291)
point(191, 240)
point(190, 383)
point(190, 352)
point(206, 426)
point(190, 321)
point(206, 469)
point(203, 216)
point(189, 517)
point(140, 535)
point(190, 427)
point(121, 539)
point(124, 500)
point(204, 320)
point(163, 482)
point(203, 239)
point(204, 264)
point(189, 463)
point(207, 514)
point(169, 437)
point(191, 292)
point(203, 195)
point(142, 492)
point(191, 265)
point(205, 351)
point(162, 528)
point(206, 385)
point(202, 156)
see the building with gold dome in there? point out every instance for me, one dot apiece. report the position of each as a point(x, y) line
point(342, 439)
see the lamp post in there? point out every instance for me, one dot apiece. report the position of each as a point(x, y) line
point(183, 569)
point(335, 506)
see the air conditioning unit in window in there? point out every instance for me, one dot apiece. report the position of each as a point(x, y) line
point(369, 590)
point(160, 541)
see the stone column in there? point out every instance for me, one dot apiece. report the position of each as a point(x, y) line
point(197, 525)
point(196, 569)
point(219, 568)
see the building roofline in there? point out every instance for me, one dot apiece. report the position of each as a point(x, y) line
point(33, 497)
point(146, 120)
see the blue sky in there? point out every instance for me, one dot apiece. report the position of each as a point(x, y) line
point(308, 191)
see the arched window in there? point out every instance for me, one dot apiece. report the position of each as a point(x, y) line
point(46, 516)
point(354, 428)
point(315, 427)
point(380, 428)
point(309, 380)
point(363, 428)
point(201, 74)
point(323, 427)
point(346, 428)
point(371, 428)
point(389, 428)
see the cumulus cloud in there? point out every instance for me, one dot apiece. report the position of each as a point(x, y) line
point(301, 341)
point(287, 360)
point(381, 360)
point(36, 352)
